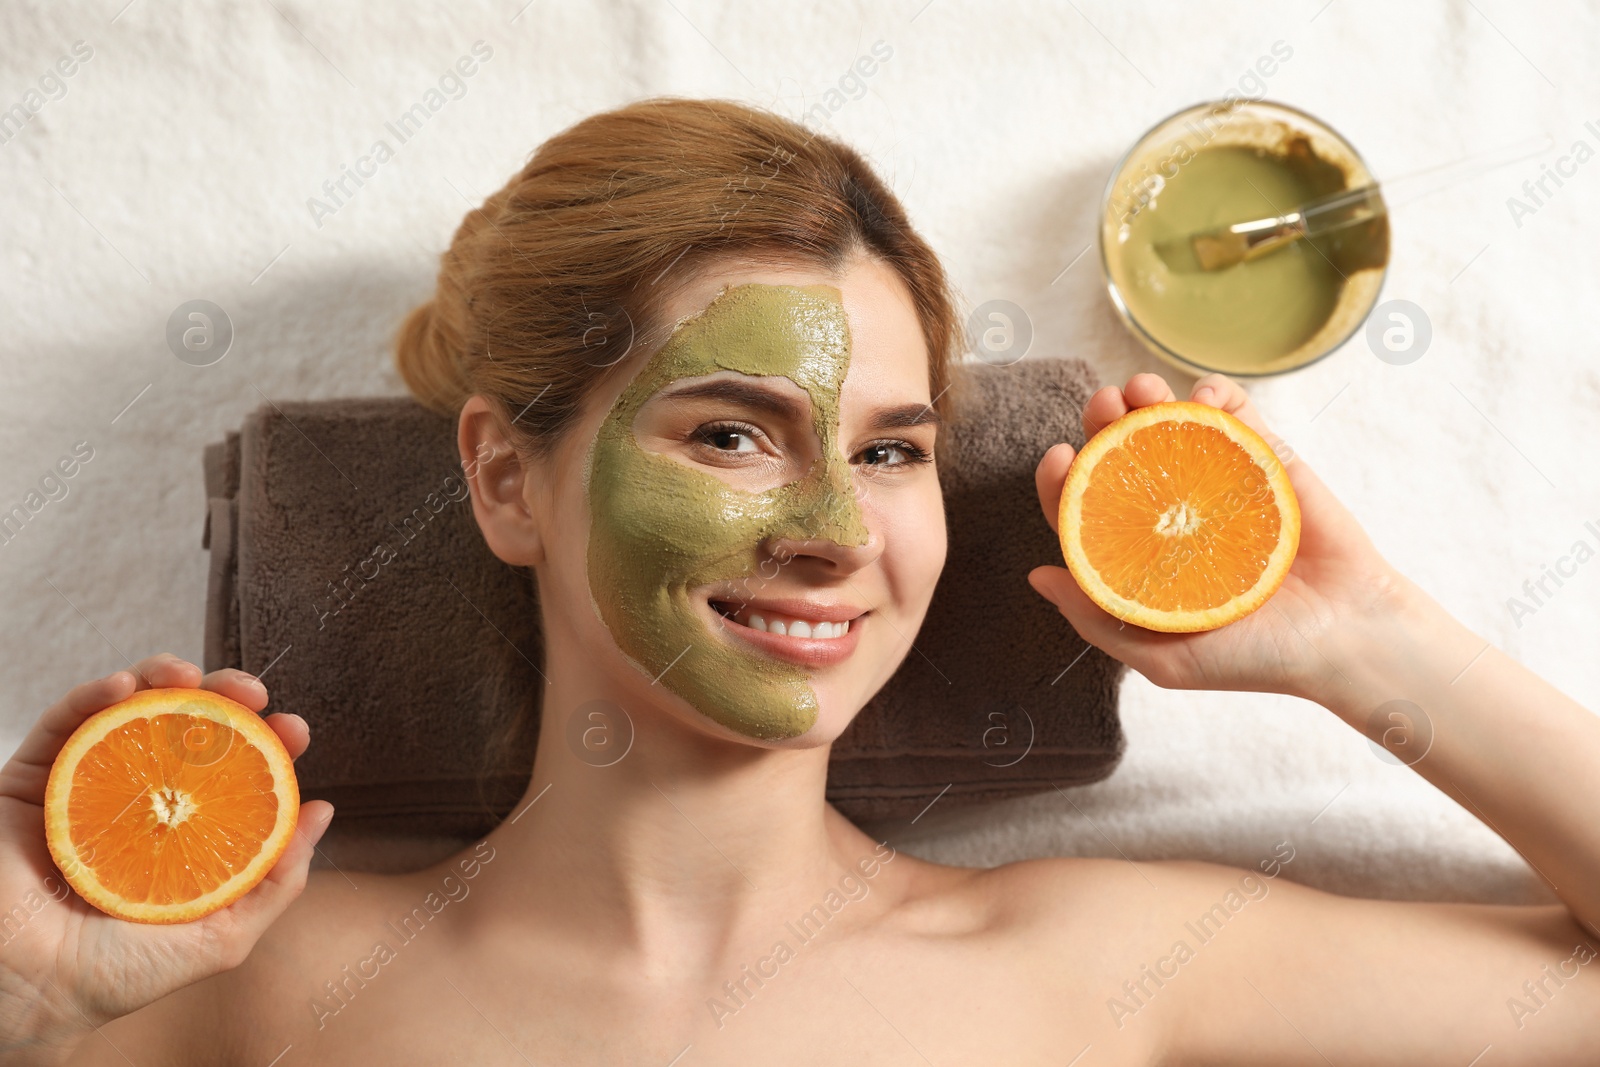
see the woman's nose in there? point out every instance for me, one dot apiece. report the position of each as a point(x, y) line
point(826, 523)
point(827, 552)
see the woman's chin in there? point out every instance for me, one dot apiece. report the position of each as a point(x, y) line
point(837, 706)
point(835, 712)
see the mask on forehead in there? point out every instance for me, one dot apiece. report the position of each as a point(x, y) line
point(661, 529)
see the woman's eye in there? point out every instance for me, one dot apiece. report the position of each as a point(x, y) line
point(729, 439)
point(890, 454)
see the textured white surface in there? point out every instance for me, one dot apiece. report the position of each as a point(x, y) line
point(178, 164)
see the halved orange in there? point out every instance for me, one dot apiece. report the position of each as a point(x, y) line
point(1178, 517)
point(170, 805)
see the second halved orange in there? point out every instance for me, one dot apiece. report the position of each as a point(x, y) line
point(170, 805)
point(1178, 517)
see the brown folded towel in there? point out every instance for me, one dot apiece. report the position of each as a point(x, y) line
point(348, 570)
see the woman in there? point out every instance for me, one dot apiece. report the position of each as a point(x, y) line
point(699, 359)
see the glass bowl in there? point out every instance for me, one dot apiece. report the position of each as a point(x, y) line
point(1158, 158)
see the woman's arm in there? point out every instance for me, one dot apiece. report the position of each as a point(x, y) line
point(1274, 974)
point(1312, 976)
point(1501, 741)
point(1351, 633)
point(1381, 982)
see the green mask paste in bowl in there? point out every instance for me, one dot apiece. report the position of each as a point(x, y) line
point(1212, 166)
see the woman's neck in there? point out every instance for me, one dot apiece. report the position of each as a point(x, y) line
point(683, 844)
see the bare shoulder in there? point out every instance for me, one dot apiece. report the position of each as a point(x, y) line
point(236, 1016)
point(1013, 894)
point(332, 918)
point(1103, 911)
point(1050, 942)
point(1070, 893)
point(1116, 915)
point(1200, 962)
point(1090, 924)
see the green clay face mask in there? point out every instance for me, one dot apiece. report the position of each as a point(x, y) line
point(662, 530)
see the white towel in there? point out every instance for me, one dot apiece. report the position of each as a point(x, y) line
point(185, 156)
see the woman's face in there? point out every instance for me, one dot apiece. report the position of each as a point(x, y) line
point(746, 528)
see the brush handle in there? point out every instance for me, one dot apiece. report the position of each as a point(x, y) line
point(1344, 208)
point(1430, 180)
point(1328, 212)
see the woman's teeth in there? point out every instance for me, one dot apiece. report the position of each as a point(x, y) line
point(777, 624)
point(786, 626)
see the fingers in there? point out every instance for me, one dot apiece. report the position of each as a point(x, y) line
point(288, 876)
point(1057, 585)
point(1049, 478)
point(1143, 390)
point(1223, 392)
point(292, 731)
point(22, 778)
point(1092, 622)
point(251, 691)
point(1104, 408)
point(1110, 403)
point(164, 671)
point(247, 689)
point(43, 743)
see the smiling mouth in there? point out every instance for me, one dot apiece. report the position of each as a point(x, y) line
point(773, 622)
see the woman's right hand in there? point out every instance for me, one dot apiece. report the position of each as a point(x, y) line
point(66, 967)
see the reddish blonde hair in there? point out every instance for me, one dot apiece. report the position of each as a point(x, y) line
point(554, 278)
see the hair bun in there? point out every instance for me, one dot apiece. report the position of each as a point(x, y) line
point(431, 361)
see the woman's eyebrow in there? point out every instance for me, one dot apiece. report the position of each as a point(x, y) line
point(746, 393)
point(904, 417)
point(758, 398)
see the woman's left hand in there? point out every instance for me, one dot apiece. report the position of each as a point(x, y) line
point(1337, 577)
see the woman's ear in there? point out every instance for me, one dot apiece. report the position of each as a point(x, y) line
point(500, 482)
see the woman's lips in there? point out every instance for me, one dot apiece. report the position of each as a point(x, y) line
point(828, 633)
